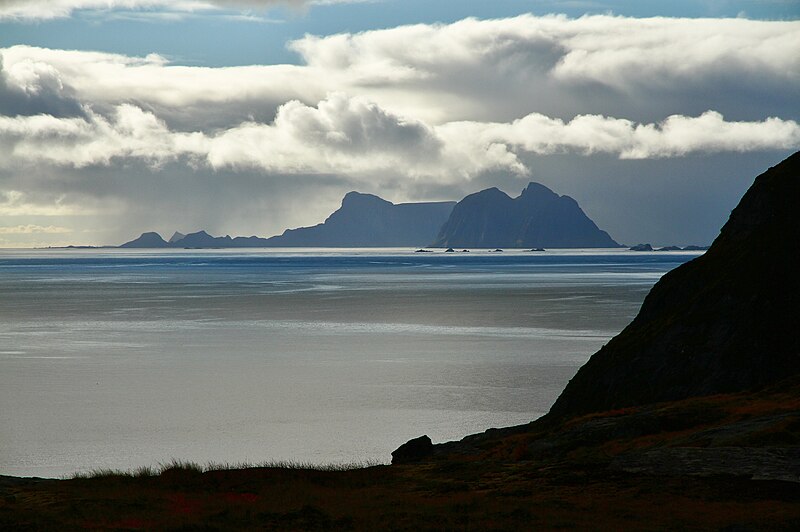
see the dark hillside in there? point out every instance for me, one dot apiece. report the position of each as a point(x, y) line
point(724, 322)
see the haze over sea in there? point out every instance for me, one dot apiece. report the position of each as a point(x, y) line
point(118, 358)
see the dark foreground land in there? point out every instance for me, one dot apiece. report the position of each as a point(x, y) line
point(725, 462)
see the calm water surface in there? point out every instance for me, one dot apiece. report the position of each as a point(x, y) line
point(119, 358)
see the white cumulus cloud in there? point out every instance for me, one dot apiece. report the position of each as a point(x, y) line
point(677, 135)
point(484, 70)
point(356, 137)
point(562, 66)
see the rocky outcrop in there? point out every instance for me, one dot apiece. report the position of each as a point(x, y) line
point(413, 450)
point(538, 218)
point(723, 322)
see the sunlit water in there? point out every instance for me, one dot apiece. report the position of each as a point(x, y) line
point(120, 359)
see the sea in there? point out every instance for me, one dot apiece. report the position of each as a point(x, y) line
point(113, 358)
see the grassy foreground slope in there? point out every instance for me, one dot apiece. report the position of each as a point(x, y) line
point(698, 464)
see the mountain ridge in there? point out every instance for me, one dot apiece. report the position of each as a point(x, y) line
point(362, 220)
point(366, 220)
point(490, 218)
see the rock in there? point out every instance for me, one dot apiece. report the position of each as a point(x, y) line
point(413, 450)
point(641, 247)
point(449, 250)
point(669, 248)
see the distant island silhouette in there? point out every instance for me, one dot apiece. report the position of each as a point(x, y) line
point(539, 218)
point(365, 220)
point(536, 218)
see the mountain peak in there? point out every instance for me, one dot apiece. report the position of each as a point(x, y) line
point(147, 240)
point(537, 218)
point(491, 191)
point(355, 198)
point(537, 188)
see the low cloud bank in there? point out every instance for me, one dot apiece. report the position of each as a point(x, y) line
point(354, 136)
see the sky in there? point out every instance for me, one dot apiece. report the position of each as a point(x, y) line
point(247, 117)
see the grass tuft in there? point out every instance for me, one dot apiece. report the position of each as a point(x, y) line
point(180, 465)
point(176, 465)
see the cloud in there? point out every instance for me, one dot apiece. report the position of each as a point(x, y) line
point(31, 229)
point(358, 138)
point(32, 87)
point(675, 136)
point(188, 97)
point(18, 203)
point(557, 65)
point(644, 69)
point(340, 135)
point(50, 9)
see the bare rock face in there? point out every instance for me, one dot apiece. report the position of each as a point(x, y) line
point(724, 322)
point(537, 218)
